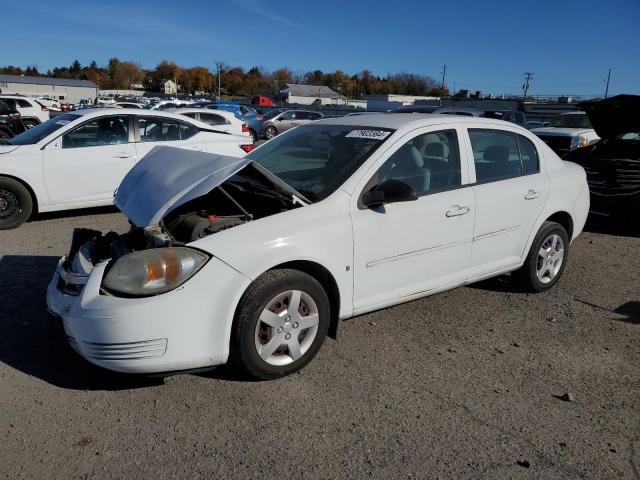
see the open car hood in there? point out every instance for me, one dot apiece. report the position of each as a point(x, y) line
point(168, 177)
point(614, 116)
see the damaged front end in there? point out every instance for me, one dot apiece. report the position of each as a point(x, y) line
point(173, 197)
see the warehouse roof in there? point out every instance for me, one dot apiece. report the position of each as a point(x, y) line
point(316, 91)
point(63, 82)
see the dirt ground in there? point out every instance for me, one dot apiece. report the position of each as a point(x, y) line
point(465, 384)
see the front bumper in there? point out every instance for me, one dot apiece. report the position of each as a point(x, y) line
point(184, 329)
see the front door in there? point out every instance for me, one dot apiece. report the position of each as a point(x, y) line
point(510, 193)
point(88, 163)
point(409, 248)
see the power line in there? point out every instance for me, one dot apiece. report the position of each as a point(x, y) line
point(606, 92)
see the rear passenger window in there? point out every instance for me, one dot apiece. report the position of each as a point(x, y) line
point(429, 163)
point(24, 104)
point(213, 119)
point(529, 155)
point(158, 129)
point(499, 154)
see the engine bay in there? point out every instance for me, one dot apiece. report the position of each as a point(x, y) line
point(247, 196)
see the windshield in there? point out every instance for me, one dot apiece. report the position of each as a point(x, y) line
point(317, 159)
point(37, 133)
point(271, 114)
point(572, 120)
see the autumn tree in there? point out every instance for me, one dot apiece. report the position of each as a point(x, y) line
point(165, 71)
point(126, 74)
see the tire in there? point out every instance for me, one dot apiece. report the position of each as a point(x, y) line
point(4, 136)
point(268, 350)
point(29, 124)
point(254, 136)
point(16, 203)
point(539, 273)
point(270, 132)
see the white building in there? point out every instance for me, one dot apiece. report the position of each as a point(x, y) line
point(311, 95)
point(390, 100)
point(64, 89)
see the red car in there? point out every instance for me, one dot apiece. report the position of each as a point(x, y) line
point(262, 101)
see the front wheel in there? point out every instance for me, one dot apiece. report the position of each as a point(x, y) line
point(280, 325)
point(16, 203)
point(270, 132)
point(546, 260)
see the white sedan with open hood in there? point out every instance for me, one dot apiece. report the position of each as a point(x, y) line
point(78, 159)
point(255, 260)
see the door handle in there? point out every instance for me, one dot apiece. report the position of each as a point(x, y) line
point(122, 155)
point(457, 210)
point(531, 194)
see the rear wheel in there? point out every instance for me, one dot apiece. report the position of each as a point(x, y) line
point(270, 132)
point(254, 137)
point(546, 260)
point(280, 324)
point(16, 203)
point(4, 135)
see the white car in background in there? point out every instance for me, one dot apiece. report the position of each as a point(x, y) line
point(169, 104)
point(255, 260)
point(568, 131)
point(50, 103)
point(219, 119)
point(78, 159)
point(32, 112)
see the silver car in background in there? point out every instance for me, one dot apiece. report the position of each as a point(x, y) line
point(278, 121)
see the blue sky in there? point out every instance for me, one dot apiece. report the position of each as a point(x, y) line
point(487, 45)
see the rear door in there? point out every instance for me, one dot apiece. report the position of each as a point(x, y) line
point(88, 163)
point(510, 191)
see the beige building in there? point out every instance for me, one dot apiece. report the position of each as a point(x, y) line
point(170, 87)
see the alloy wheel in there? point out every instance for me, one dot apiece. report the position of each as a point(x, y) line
point(550, 258)
point(287, 327)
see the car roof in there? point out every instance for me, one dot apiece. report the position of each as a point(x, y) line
point(205, 111)
point(399, 120)
point(18, 97)
point(98, 112)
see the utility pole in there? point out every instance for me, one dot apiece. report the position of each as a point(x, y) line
point(444, 73)
point(527, 78)
point(219, 68)
point(606, 91)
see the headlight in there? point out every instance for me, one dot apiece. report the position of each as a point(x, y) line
point(154, 271)
point(579, 141)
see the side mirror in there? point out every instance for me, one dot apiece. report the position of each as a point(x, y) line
point(389, 191)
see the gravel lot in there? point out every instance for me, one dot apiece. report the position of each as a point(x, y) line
point(464, 384)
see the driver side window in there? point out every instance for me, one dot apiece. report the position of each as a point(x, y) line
point(102, 131)
point(429, 163)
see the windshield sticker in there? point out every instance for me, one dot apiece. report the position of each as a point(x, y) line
point(62, 122)
point(372, 134)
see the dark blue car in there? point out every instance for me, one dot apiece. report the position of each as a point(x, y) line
point(247, 114)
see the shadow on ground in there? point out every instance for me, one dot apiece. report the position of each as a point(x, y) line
point(30, 345)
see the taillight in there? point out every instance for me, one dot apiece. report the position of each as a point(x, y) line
point(258, 116)
point(247, 148)
point(45, 109)
point(14, 116)
point(245, 128)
